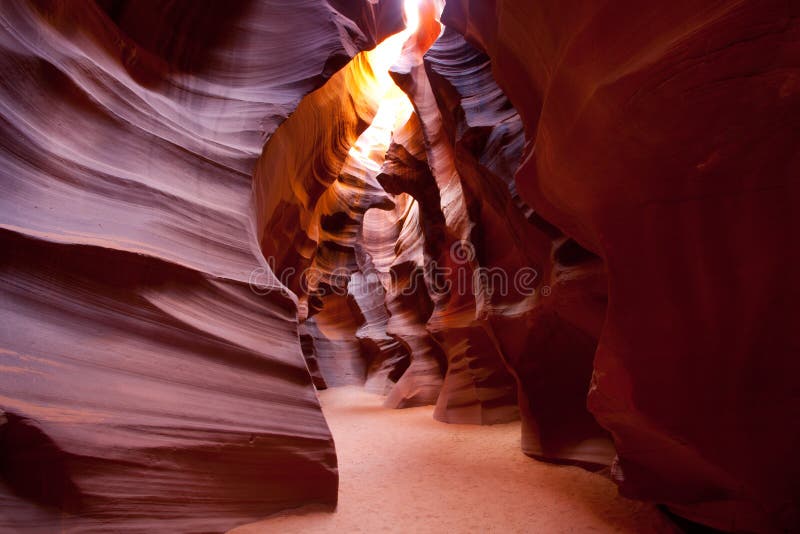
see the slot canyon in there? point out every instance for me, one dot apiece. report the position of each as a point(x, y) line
point(399, 266)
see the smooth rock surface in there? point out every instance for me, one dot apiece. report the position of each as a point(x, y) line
point(665, 140)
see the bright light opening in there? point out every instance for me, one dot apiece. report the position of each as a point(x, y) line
point(394, 107)
point(411, 11)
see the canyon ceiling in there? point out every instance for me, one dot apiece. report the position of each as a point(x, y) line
point(171, 172)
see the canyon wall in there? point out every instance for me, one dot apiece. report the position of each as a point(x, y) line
point(664, 140)
point(545, 328)
point(576, 214)
point(144, 384)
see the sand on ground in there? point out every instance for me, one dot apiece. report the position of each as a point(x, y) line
point(402, 471)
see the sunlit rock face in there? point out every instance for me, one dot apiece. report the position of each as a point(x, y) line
point(145, 386)
point(665, 141)
point(314, 183)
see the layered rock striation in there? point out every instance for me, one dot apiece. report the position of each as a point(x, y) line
point(539, 295)
point(145, 386)
point(578, 214)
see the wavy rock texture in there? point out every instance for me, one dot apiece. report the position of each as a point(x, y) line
point(477, 386)
point(339, 269)
point(149, 386)
point(543, 309)
point(145, 386)
point(672, 154)
point(301, 163)
point(393, 241)
point(212, 209)
point(314, 182)
point(336, 348)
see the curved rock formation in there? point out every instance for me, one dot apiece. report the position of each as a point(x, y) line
point(477, 387)
point(313, 189)
point(579, 214)
point(141, 378)
point(138, 389)
point(392, 242)
point(672, 154)
point(542, 304)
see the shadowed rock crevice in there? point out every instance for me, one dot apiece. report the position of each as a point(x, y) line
point(34, 467)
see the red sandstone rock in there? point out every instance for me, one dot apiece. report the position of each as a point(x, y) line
point(137, 377)
point(145, 386)
point(546, 327)
point(344, 308)
point(653, 204)
point(665, 140)
point(395, 242)
point(336, 348)
point(477, 386)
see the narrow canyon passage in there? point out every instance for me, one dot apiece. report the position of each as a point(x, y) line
point(402, 471)
point(399, 265)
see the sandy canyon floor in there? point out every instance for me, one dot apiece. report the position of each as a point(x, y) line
point(402, 471)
